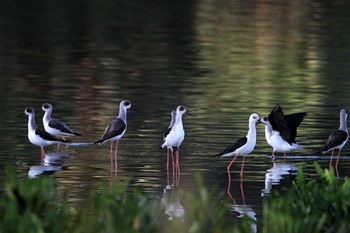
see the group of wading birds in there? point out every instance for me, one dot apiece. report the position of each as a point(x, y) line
point(280, 133)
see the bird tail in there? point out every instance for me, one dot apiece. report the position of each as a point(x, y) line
point(99, 142)
point(322, 151)
point(297, 146)
point(218, 155)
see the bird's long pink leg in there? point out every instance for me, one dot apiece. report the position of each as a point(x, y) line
point(178, 166)
point(242, 191)
point(285, 156)
point(242, 167)
point(229, 193)
point(273, 156)
point(172, 156)
point(116, 153)
point(42, 152)
point(336, 164)
point(330, 163)
point(167, 173)
point(228, 168)
point(167, 158)
point(111, 154)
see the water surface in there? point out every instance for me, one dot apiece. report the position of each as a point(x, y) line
point(223, 61)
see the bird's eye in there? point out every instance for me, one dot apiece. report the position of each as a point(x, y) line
point(126, 103)
point(265, 118)
point(182, 108)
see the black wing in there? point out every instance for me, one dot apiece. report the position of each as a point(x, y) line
point(114, 128)
point(45, 135)
point(293, 122)
point(335, 139)
point(57, 124)
point(239, 143)
point(279, 123)
point(167, 131)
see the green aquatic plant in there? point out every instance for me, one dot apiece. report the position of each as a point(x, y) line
point(321, 204)
point(32, 206)
point(115, 210)
point(35, 205)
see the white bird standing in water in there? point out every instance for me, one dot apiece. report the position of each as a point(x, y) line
point(38, 136)
point(281, 130)
point(242, 146)
point(167, 131)
point(55, 126)
point(176, 135)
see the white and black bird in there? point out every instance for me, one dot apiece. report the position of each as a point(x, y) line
point(242, 146)
point(38, 136)
point(281, 130)
point(55, 126)
point(338, 138)
point(176, 135)
point(171, 124)
point(116, 129)
point(167, 131)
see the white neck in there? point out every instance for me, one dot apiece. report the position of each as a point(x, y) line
point(252, 131)
point(343, 125)
point(47, 115)
point(31, 123)
point(122, 113)
point(178, 118)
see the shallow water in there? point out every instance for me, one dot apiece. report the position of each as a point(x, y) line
point(222, 61)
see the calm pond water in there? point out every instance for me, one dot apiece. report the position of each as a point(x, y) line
point(222, 60)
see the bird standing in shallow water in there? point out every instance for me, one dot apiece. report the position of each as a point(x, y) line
point(38, 136)
point(242, 146)
point(167, 131)
point(116, 130)
point(175, 137)
point(54, 126)
point(281, 130)
point(338, 138)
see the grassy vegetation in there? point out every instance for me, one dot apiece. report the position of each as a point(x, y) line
point(34, 205)
point(318, 205)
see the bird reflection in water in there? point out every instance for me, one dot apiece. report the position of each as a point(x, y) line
point(49, 164)
point(172, 195)
point(277, 173)
point(172, 201)
point(242, 209)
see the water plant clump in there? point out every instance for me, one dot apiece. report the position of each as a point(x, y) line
point(321, 204)
point(35, 205)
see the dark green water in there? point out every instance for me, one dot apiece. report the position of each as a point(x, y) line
point(222, 60)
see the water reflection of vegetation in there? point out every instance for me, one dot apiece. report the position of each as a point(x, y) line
point(319, 205)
